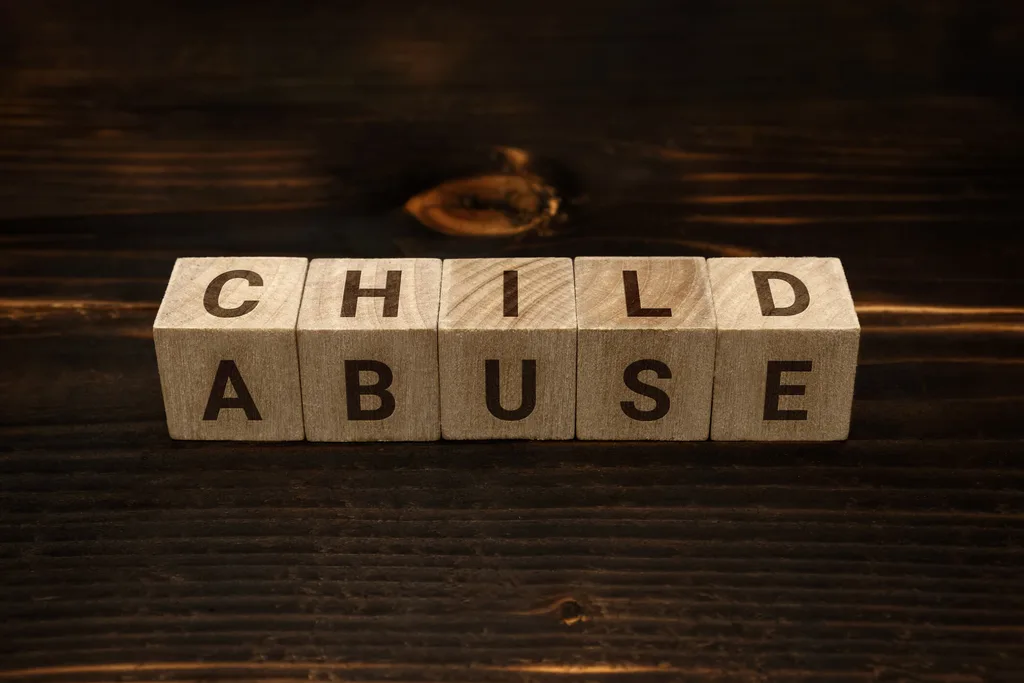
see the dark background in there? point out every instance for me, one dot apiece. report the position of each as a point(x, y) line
point(890, 134)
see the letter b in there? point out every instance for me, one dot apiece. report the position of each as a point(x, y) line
point(355, 390)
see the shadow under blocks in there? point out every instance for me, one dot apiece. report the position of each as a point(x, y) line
point(628, 348)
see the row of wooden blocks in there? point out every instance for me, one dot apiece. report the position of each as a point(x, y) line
point(528, 348)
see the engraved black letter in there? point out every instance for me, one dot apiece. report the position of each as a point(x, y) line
point(511, 293)
point(633, 307)
point(353, 291)
point(211, 299)
point(775, 388)
point(354, 390)
point(492, 388)
point(801, 297)
point(631, 377)
point(228, 371)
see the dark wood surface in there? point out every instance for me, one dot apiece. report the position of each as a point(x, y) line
point(889, 134)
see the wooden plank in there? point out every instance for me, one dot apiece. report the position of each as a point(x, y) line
point(121, 108)
point(889, 137)
point(821, 551)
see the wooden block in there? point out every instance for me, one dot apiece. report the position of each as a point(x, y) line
point(787, 349)
point(226, 350)
point(507, 345)
point(646, 355)
point(368, 350)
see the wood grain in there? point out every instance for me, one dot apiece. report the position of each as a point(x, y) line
point(788, 338)
point(507, 349)
point(887, 134)
point(404, 339)
point(670, 331)
point(226, 349)
point(287, 560)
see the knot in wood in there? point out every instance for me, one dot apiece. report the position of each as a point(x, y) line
point(571, 612)
point(497, 205)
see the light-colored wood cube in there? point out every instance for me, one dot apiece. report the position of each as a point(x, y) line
point(646, 355)
point(507, 345)
point(787, 349)
point(226, 350)
point(368, 350)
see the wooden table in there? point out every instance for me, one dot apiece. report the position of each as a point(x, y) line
point(889, 134)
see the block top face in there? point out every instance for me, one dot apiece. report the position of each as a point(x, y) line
point(643, 292)
point(508, 294)
point(371, 294)
point(781, 294)
point(232, 293)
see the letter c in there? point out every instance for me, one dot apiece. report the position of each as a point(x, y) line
point(211, 299)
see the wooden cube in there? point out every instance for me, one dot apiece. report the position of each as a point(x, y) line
point(787, 349)
point(368, 350)
point(646, 357)
point(507, 346)
point(226, 350)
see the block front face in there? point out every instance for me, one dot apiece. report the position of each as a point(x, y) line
point(368, 349)
point(507, 347)
point(508, 385)
point(230, 385)
point(226, 348)
point(787, 349)
point(784, 385)
point(645, 363)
